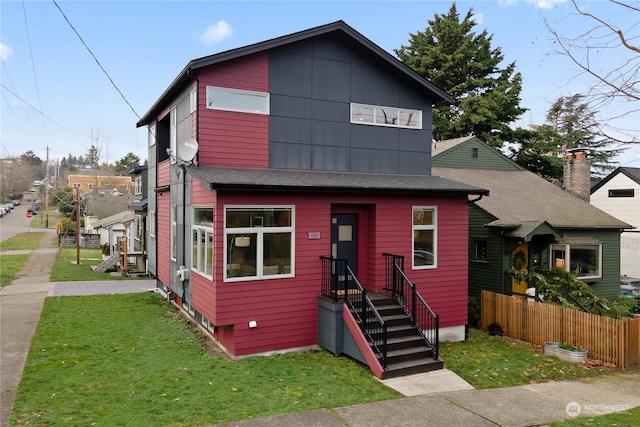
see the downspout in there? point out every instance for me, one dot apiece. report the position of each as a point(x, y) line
point(184, 225)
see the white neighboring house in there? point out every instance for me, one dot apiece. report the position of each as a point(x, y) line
point(112, 227)
point(619, 195)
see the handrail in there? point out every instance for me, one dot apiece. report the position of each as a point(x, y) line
point(426, 321)
point(339, 282)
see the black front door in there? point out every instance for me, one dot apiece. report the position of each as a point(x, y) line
point(343, 239)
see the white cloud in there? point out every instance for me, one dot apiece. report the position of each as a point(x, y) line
point(479, 18)
point(546, 4)
point(215, 33)
point(5, 51)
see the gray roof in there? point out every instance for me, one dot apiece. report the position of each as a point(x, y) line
point(631, 173)
point(520, 196)
point(305, 180)
point(119, 218)
point(104, 205)
point(187, 74)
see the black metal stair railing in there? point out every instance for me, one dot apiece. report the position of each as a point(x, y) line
point(426, 321)
point(340, 283)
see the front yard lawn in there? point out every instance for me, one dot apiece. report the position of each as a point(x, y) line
point(486, 361)
point(133, 360)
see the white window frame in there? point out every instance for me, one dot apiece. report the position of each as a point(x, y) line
point(204, 242)
point(193, 101)
point(174, 230)
point(137, 186)
point(566, 263)
point(173, 133)
point(151, 223)
point(381, 115)
point(429, 227)
point(259, 231)
point(240, 95)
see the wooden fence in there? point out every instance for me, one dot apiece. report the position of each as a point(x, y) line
point(610, 340)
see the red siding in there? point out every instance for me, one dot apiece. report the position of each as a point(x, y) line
point(220, 133)
point(286, 309)
point(163, 216)
point(203, 292)
point(164, 173)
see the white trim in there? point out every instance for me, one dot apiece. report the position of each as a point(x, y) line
point(240, 95)
point(259, 232)
point(567, 258)
point(381, 115)
point(428, 227)
point(208, 243)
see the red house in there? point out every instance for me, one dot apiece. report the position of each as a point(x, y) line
point(309, 189)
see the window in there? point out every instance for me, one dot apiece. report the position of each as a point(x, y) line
point(474, 153)
point(424, 237)
point(202, 241)
point(139, 231)
point(243, 101)
point(629, 192)
point(173, 133)
point(385, 116)
point(259, 242)
point(152, 135)
point(137, 186)
point(193, 101)
point(79, 185)
point(152, 223)
point(584, 260)
point(92, 186)
point(174, 227)
point(480, 250)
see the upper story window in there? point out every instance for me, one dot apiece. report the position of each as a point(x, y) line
point(244, 101)
point(386, 116)
point(79, 185)
point(425, 225)
point(628, 192)
point(137, 186)
point(92, 186)
point(259, 242)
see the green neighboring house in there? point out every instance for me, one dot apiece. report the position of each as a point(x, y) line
point(527, 221)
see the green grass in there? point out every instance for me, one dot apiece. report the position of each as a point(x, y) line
point(132, 360)
point(486, 361)
point(628, 418)
point(22, 241)
point(40, 221)
point(10, 265)
point(66, 268)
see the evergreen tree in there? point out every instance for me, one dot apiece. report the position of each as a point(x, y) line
point(463, 63)
point(120, 167)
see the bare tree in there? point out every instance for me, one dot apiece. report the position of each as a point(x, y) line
point(616, 79)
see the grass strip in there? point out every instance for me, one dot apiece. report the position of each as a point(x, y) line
point(10, 265)
point(22, 241)
point(133, 360)
point(486, 361)
point(66, 268)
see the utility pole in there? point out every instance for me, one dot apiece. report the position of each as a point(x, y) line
point(77, 226)
point(46, 191)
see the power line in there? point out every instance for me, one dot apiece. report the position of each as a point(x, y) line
point(33, 65)
point(96, 59)
point(39, 112)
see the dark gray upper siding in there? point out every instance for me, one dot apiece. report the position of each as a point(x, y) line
point(312, 83)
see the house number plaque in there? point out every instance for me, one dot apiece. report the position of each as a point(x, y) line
point(314, 235)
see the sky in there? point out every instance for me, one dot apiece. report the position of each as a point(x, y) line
point(81, 73)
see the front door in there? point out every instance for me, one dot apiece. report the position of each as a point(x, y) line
point(520, 263)
point(343, 239)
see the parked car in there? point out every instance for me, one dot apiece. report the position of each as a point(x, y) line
point(15, 202)
point(34, 208)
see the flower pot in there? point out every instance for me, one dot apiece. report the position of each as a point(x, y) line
point(573, 356)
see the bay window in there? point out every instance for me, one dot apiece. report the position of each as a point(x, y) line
point(202, 241)
point(259, 242)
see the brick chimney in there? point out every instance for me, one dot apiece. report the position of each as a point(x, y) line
point(577, 174)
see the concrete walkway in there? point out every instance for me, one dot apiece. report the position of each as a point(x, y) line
point(436, 398)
